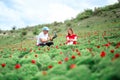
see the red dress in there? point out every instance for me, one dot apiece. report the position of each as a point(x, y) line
point(71, 39)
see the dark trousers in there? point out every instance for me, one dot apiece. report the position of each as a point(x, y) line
point(46, 44)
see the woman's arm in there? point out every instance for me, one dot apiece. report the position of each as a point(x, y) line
point(75, 39)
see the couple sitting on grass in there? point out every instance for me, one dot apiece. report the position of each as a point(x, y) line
point(44, 39)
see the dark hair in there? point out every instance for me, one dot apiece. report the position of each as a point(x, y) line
point(70, 30)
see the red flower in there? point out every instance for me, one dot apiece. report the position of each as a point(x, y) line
point(66, 59)
point(24, 49)
point(117, 55)
point(98, 46)
point(44, 72)
point(79, 54)
point(38, 48)
point(103, 54)
point(33, 61)
point(90, 49)
point(73, 57)
point(30, 50)
point(60, 62)
point(77, 50)
point(3, 64)
point(48, 48)
point(34, 50)
point(112, 51)
point(17, 66)
point(107, 45)
point(72, 66)
point(60, 52)
point(36, 55)
point(50, 66)
point(118, 45)
point(60, 44)
point(57, 47)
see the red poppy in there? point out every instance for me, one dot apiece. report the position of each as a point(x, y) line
point(107, 45)
point(61, 53)
point(3, 64)
point(73, 57)
point(38, 48)
point(50, 66)
point(33, 61)
point(36, 55)
point(60, 62)
point(17, 66)
point(103, 54)
point(112, 51)
point(57, 47)
point(77, 50)
point(118, 45)
point(98, 46)
point(90, 49)
point(24, 49)
point(44, 72)
point(60, 44)
point(117, 55)
point(30, 50)
point(72, 66)
point(79, 54)
point(66, 59)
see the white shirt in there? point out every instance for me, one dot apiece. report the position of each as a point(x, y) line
point(42, 36)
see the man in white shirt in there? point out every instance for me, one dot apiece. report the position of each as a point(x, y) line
point(44, 39)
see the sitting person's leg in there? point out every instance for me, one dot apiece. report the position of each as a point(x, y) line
point(42, 44)
point(49, 43)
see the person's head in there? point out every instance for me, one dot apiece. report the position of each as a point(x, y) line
point(45, 30)
point(70, 31)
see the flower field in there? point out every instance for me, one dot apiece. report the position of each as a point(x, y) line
point(95, 57)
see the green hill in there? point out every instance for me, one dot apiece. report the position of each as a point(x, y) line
point(102, 18)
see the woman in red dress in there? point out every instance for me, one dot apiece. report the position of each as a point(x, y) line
point(71, 37)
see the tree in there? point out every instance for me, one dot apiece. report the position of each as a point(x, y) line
point(55, 23)
point(86, 14)
point(119, 1)
point(14, 28)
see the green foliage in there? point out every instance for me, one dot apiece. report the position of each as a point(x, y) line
point(56, 30)
point(86, 14)
point(68, 24)
point(81, 72)
point(36, 31)
point(110, 7)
